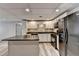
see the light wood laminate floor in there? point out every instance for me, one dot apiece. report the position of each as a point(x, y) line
point(46, 49)
point(3, 48)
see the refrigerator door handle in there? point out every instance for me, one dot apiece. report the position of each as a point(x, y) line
point(66, 36)
point(66, 41)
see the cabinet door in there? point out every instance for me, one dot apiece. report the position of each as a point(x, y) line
point(44, 37)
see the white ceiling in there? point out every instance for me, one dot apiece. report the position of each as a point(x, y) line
point(47, 10)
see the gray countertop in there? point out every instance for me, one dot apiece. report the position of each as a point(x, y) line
point(42, 32)
point(22, 38)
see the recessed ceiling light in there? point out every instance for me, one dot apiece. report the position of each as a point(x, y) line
point(57, 10)
point(27, 10)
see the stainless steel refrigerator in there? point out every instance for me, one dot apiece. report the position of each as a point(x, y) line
point(70, 36)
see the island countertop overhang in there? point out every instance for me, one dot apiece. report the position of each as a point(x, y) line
point(21, 38)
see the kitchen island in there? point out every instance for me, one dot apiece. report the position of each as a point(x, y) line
point(27, 45)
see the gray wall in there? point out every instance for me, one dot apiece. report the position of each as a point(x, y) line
point(7, 29)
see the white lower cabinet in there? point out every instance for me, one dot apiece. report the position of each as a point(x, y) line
point(44, 37)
